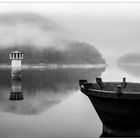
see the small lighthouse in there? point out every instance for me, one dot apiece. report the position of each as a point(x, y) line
point(16, 93)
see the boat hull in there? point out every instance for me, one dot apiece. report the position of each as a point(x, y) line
point(120, 115)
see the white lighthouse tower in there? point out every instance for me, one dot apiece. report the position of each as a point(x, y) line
point(16, 93)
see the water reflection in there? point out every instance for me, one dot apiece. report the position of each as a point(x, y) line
point(42, 89)
point(133, 69)
point(16, 92)
point(130, 63)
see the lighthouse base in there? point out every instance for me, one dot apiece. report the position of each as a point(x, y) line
point(16, 96)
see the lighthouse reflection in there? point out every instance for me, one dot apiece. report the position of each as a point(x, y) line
point(16, 93)
point(41, 89)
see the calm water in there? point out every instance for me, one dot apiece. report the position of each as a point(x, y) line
point(53, 106)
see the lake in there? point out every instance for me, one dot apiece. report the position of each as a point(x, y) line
point(53, 105)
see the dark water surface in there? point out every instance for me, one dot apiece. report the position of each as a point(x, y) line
point(53, 106)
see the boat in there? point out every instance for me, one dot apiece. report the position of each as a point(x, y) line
point(117, 105)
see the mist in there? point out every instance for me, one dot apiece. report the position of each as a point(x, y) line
point(42, 41)
point(130, 63)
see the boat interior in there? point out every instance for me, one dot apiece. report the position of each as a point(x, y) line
point(113, 86)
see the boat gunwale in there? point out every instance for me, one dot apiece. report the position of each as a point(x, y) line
point(115, 95)
point(115, 92)
point(111, 94)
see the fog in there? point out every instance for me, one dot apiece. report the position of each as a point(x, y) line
point(66, 35)
point(27, 29)
point(130, 63)
point(42, 41)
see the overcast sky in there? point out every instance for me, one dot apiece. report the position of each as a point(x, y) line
point(113, 28)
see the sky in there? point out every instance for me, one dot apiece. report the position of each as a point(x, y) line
point(113, 28)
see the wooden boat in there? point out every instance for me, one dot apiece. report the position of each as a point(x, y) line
point(117, 105)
